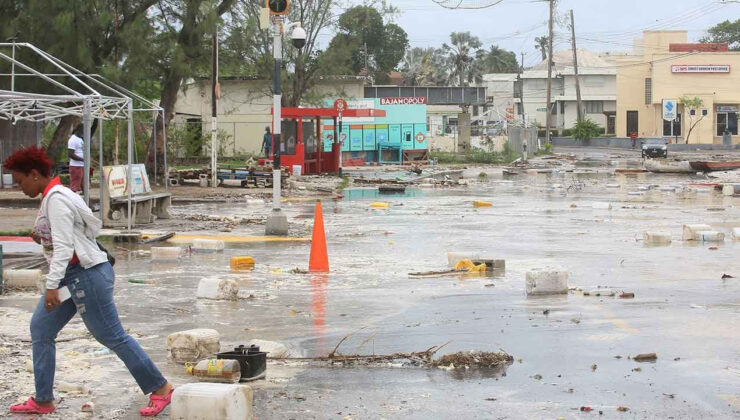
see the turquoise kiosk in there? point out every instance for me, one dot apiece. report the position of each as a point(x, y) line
point(399, 137)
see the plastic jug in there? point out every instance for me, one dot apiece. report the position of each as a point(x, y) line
point(217, 370)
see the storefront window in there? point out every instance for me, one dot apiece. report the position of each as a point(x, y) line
point(672, 128)
point(726, 121)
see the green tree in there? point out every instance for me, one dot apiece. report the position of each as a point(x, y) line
point(497, 60)
point(424, 67)
point(461, 53)
point(365, 44)
point(726, 32)
point(692, 107)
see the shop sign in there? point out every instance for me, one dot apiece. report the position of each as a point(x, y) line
point(704, 68)
point(669, 109)
point(726, 108)
point(403, 101)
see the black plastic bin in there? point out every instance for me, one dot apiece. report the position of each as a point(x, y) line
point(252, 361)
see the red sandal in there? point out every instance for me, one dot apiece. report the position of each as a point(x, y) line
point(157, 404)
point(31, 407)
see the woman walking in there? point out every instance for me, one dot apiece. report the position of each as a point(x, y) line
point(80, 280)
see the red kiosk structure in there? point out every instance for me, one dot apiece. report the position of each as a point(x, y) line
point(312, 158)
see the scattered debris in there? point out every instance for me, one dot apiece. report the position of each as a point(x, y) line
point(626, 295)
point(594, 367)
point(479, 359)
point(586, 408)
point(622, 409)
point(647, 357)
point(538, 377)
point(87, 407)
point(637, 369)
point(727, 276)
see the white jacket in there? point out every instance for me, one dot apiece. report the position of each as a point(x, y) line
point(66, 225)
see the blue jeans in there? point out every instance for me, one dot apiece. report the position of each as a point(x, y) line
point(92, 298)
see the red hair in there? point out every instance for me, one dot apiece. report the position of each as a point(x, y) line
point(24, 160)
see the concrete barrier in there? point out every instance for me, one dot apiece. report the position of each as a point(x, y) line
point(656, 238)
point(217, 289)
point(547, 281)
point(23, 279)
point(193, 345)
point(690, 231)
point(209, 401)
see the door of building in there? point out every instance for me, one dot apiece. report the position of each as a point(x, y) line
point(632, 126)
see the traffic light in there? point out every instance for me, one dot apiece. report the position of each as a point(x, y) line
point(278, 7)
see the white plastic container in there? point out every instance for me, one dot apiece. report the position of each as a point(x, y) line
point(656, 238)
point(547, 281)
point(690, 231)
point(601, 206)
point(166, 253)
point(193, 345)
point(23, 279)
point(7, 180)
point(217, 289)
point(736, 233)
point(455, 257)
point(208, 401)
point(710, 236)
point(208, 245)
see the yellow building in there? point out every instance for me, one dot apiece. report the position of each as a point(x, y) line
point(665, 68)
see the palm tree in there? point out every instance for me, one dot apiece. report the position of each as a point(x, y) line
point(461, 55)
point(541, 44)
point(424, 67)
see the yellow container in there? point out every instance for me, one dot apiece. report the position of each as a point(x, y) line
point(478, 203)
point(242, 263)
point(380, 205)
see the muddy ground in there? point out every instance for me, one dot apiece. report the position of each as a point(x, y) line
point(570, 351)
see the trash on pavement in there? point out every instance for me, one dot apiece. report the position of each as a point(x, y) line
point(646, 357)
point(216, 370)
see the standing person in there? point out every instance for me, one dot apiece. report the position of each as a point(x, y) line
point(80, 280)
point(633, 136)
point(267, 142)
point(76, 153)
point(524, 151)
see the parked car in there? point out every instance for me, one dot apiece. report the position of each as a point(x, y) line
point(654, 148)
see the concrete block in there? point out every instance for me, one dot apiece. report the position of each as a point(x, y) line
point(656, 238)
point(208, 245)
point(217, 289)
point(547, 281)
point(710, 236)
point(601, 206)
point(211, 401)
point(690, 231)
point(23, 279)
point(193, 345)
point(166, 253)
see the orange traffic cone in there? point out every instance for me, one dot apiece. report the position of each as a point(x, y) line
point(319, 260)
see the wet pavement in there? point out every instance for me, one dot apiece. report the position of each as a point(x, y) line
point(683, 310)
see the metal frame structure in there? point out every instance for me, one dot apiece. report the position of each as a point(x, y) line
point(84, 95)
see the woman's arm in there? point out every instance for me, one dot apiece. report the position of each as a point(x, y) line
point(61, 220)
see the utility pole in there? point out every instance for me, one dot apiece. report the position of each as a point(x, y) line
point(575, 67)
point(549, 73)
point(367, 70)
point(214, 108)
point(521, 92)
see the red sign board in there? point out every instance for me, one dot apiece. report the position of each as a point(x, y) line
point(403, 101)
point(340, 105)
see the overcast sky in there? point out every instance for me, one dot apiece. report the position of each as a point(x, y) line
point(601, 25)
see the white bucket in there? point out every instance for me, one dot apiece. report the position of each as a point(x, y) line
point(205, 401)
point(8, 180)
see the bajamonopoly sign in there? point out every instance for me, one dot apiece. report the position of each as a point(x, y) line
point(703, 68)
point(403, 101)
point(669, 109)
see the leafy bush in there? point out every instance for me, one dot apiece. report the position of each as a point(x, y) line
point(586, 129)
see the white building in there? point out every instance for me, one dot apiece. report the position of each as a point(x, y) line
point(598, 79)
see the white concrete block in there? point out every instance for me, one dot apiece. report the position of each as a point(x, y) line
point(193, 345)
point(23, 279)
point(217, 289)
point(710, 236)
point(208, 245)
point(210, 401)
point(601, 206)
point(656, 238)
point(690, 231)
point(547, 281)
point(166, 253)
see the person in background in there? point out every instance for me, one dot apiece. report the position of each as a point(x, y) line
point(80, 281)
point(76, 153)
point(524, 151)
point(267, 142)
point(633, 136)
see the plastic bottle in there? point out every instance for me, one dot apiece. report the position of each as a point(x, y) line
point(216, 370)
